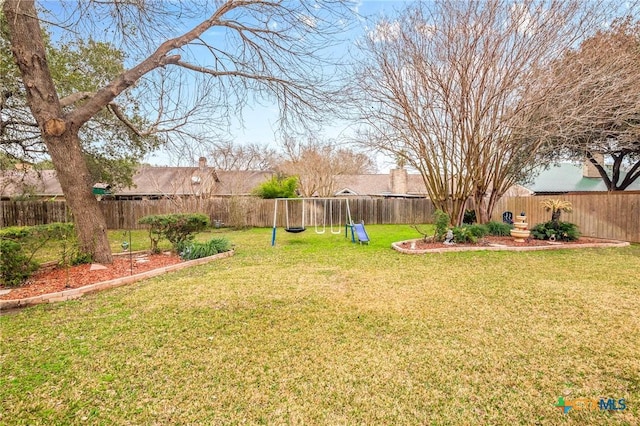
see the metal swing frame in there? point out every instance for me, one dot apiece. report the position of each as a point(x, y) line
point(313, 218)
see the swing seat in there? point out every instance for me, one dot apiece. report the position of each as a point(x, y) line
point(295, 230)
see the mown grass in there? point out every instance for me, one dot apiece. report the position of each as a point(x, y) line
point(317, 330)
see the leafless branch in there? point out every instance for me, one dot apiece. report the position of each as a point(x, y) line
point(443, 86)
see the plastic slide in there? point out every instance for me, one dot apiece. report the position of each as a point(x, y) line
point(363, 237)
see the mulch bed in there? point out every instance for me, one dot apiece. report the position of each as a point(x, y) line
point(489, 241)
point(53, 279)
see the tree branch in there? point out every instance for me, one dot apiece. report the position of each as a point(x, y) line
point(115, 109)
point(76, 97)
point(157, 59)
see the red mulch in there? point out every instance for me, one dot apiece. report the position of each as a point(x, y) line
point(486, 241)
point(51, 280)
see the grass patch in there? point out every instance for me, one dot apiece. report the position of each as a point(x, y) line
point(317, 330)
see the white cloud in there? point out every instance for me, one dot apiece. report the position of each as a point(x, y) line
point(356, 6)
point(385, 31)
point(309, 21)
point(523, 19)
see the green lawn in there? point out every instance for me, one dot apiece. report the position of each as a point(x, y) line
point(317, 330)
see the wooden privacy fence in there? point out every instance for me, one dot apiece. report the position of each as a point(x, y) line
point(233, 211)
point(29, 213)
point(603, 215)
point(614, 215)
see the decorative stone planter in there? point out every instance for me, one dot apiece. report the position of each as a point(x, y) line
point(520, 233)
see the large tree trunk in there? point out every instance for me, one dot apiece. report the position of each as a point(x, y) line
point(59, 133)
point(73, 174)
point(484, 205)
point(482, 208)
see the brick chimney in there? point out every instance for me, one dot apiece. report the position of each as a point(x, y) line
point(589, 170)
point(202, 162)
point(399, 180)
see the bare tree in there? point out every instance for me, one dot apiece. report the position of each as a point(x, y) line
point(239, 47)
point(225, 155)
point(316, 163)
point(442, 86)
point(592, 104)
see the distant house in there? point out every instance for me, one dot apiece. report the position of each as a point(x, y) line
point(567, 178)
point(27, 183)
point(202, 181)
point(397, 184)
point(152, 183)
point(149, 183)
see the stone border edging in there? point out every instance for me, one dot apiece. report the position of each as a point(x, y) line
point(75, 293)
point(607, 243)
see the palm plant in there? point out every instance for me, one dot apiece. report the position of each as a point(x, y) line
point(556, 207)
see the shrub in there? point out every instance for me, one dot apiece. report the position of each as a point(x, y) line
point(278, 187)
point(441, 222)
point(177, 228)
point(16, 233)
point(32, 238)
point(55, 231)
point(196, 250)
point(469, 217)
point(15, 266)
point(478, 231)
point(563, 231)
point(70, 254)
point(469, 233)
point(462, 235)
point(51, 231)
point(499, 229)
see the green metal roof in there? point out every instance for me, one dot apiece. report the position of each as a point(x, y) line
point(567, 177)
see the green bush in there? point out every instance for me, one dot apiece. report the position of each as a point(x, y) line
point(16, 233)
point(33, 238)
point(51, 231)
point(70, 254)
point(469, 233)
point(441, 222)
point(177, 228)
point(499, 229)
point(478, 231)
point(469, 217)
point(462, 235)
point(15, 266)
point(278, 187)
point(55, 231)
point(563, 231)
point(196, 250)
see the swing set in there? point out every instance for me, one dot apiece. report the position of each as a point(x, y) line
point(318, 212)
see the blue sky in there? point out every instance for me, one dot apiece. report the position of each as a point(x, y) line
point(261, 120)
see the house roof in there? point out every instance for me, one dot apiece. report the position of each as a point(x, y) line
point(377, 184)
point(148, 181)
point(180, 181)
point(568, 177)
point(18, 182)
point(517, 191)
point(193, 181)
